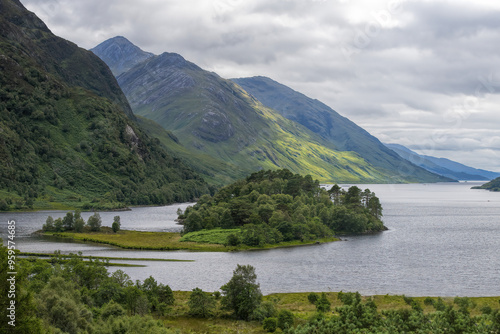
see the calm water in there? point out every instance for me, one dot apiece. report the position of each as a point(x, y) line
point(444, 240)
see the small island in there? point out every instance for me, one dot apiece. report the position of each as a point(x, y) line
point(493, 185)
point(268, 209)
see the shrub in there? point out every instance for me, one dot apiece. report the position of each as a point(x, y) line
point(270, 324)
point(285, 319)
point(313, 298)
point(116, 224)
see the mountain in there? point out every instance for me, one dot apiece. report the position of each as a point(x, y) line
point(344, 134)
point(120, 54)
point(213, 116)
point(216, 118)
point(493, 185)
point(68, 135)
point(442, 166)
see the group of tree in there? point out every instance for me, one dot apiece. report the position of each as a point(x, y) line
point(274, 206)
point(74, 222)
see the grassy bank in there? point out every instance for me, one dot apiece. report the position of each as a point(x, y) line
point(206, 241)
point(105, 258)
point(297, 303)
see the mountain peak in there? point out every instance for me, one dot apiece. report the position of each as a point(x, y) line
point(120, 54)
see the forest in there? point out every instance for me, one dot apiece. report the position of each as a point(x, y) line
point(269, 207)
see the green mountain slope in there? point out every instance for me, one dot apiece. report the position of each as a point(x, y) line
point(334, 128)
point(214, 116)
point(68, 137)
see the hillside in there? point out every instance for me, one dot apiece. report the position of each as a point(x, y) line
point(344, 134)
point(69, 138)
point(215, 117)
point(442, 166)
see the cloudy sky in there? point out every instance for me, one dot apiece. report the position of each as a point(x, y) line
point(424, 74)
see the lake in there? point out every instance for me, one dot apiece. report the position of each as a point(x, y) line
point(443, 240)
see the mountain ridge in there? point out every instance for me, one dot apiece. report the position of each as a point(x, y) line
point(443, 166)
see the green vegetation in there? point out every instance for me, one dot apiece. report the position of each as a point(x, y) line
point(140, 240)
point(58, 255)
point(215, 117)
point(493, 185)
point(69, 138)
point(335, 129)
point(270, 207)
point(71, 295)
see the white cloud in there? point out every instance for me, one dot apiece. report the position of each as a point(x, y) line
point(411, 72)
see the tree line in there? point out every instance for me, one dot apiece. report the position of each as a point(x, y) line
point(74, 222)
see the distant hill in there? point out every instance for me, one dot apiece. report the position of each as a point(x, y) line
point(120, 54)
point(68, 135)
point(442, 166)
point(344, 134)
point(493, 185)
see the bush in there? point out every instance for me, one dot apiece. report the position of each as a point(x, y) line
point(429, 301)
point(313, 298)
point(116, 224)
point(265, 310)
point(3, 205)
point(323, 304)
point(285, 319)
point(112, 309)
point(201, 304)
point(270, 324)
point(233, 240)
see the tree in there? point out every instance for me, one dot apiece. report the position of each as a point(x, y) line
point(58, 225)
point(79, 224)
point(49, 224)
point(68, 221)
point(201, 304)
point(116, 224)
point(353, 196)
point(242, 294)
point(94, 222)
point(335, 192)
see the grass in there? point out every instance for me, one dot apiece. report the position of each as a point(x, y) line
point(214, 236)
point(178, 318)
point(101, 257)
point(206, 241)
